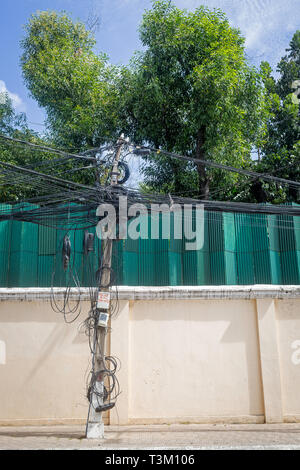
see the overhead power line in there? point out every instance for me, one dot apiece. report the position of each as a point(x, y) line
point(252, 174)
point(44, 148)
point(44, 176)
point(141, 150)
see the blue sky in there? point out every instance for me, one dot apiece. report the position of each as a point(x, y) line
point(267, 25)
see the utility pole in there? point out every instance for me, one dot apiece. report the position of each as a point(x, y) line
point(95, 425)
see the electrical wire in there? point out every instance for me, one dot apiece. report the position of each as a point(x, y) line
point(209, 163)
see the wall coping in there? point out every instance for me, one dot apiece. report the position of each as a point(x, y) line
point(259, 291)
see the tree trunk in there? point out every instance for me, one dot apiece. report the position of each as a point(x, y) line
point(203, 181)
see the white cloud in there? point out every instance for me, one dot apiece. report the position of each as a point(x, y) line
point(267, 25)
point(16, 100)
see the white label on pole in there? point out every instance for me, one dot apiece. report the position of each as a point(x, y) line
point(103, 300)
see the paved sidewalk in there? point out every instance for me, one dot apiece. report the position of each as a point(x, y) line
point(194, 436)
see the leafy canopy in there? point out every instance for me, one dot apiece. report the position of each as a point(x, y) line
point(191, 90)
point(13, 124)
point(73, 84)
point(281, 147)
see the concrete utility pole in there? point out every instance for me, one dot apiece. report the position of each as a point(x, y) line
point(95, 425)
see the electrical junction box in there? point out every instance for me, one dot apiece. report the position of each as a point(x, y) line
point(103, 319)
point(103, 300)
point(88, 242)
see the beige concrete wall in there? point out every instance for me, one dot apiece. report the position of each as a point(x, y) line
point(288, 320)
point(43, 378)
point(187, 354)
point(189, 359)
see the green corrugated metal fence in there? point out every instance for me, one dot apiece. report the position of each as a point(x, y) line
point(238, 249)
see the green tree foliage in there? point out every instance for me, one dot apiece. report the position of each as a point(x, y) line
point(289, 67)
point(75, 86)
point(9, 119)
point(13, 124)
point(281, 147)
point(192, 91)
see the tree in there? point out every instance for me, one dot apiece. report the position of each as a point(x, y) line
point(289, 67)
point(75, 86)
point(281, 149)
point(14, 125)
point(9, 119)
point(192, 91)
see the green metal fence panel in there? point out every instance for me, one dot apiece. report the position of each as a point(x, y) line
point(203, 266)
point(296, 221)
point(77, 265)
point(146, 250)
point(244, 244)
point(274, 247)
point(216, 249)
point(162, 263)
point(5, 241)
point(175, 260)
point(46, 251)
point(175, 247)
point(196, 262)
point(130, 262)
point(59, 276)
point(117, 263)
point(160, 252)
point(289, 264)
point(230, 249)
point(261, 254)
point(23, 264)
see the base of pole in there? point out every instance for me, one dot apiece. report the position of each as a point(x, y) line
point(95, 431)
